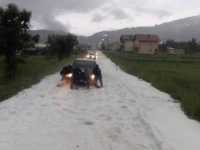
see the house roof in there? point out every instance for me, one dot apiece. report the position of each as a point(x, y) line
point(41, 45)
point(170, 48)
point(127, 37)
point(147, 38)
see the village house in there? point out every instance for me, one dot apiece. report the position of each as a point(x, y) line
point(140, 43)
point(145, 44)
point(41, 46)
point(171, 50)
point(126, 43)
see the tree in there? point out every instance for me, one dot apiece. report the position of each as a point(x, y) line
point(192, 46)
point(2, 42)
point(62, 45)
point(162, 47)
point(171, 43)
point(14, 24)
point(36, 38)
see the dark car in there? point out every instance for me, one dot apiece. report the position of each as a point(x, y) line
point(78, 76)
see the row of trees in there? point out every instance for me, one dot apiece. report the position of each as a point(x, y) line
point(189, 47)
point(14, 37)
point(61, 46)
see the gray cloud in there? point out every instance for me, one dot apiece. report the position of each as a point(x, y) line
point(163, 13)
point(98, 18)
point(157, 12)
point(45, 11)
point(119, 14)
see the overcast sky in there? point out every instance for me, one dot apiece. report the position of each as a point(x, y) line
point(86, 17)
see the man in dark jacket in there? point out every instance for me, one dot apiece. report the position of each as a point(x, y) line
point(98, 75)
point(65, 70)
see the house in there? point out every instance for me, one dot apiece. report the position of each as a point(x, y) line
point(41, 46)
point(126, 43)
point(114, 46)
point(171, 50)
point(179, 51)
point(145, 44)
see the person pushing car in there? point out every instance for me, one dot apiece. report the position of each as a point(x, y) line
point(65, 70)
point(98, 75)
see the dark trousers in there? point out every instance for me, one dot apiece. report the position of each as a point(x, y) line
point(98, 77)
point(88, 82)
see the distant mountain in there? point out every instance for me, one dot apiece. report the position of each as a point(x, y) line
point(179, 30)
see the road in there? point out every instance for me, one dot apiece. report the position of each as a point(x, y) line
point(126, 114)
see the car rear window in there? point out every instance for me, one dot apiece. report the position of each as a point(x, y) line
point(82, 64)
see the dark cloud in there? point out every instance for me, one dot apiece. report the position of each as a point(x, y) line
point(59, 5)
point(51, 24)
point(98, 18)
point(45, 11)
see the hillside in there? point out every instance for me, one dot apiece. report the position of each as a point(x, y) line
point(179, 30)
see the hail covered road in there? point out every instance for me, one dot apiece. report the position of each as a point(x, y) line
point(126, 114)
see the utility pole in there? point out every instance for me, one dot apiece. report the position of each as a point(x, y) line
point(107, 40)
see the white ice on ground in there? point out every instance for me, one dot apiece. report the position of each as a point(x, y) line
point(126, 114)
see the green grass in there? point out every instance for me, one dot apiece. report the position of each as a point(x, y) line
point(35, 68)
point(177, 75)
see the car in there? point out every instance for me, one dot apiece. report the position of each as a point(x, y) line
point(91, 55)
point(77, 75)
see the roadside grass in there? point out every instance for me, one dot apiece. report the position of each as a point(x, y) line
point(178, 76)
point(35, 68)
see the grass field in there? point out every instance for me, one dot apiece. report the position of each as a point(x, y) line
point(35, 68)
point(177, 75)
